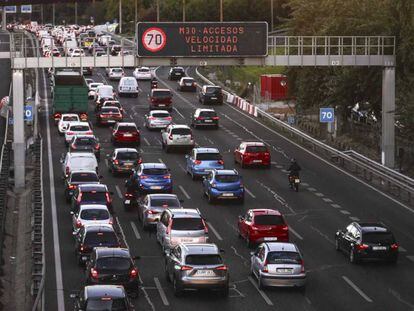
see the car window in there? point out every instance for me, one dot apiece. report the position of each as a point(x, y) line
point(208, 114)
point(127, 155)
point(113, 264)
point(127, 128)
point(181, 131)
point(254, 149)
point(70, 118)
point(187, 224)
point(106, 304)
point(94, 214)
point(154, 171)
point(160, 114)
point(117, 70)
point(378, 237)
point(213, 90)
point(100, 238)
point(161, 94)
point(268, 220)
point(112, 104)
point(82, 177)
point(208, 156)
point(199, 260)
point(165, 202)
point(129, 82)
point(85, 141)
point(261, 253)
point(227, 178)
point(93, 196)
point(79, 128)
point(283, 258)
point(143, 70)
point(110, 110)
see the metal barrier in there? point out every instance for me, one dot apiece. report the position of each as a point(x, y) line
point(377, 175)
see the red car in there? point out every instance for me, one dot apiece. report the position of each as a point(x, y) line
point(160, 99)
point(125, 132)
point(263, 225)
point(108, 115)
point(252, 153)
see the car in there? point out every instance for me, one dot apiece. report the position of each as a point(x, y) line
point(210, 94)
point(93, 235)
point(278, 264)
point(115, 49)
point(92, 194)
point(78, 161)
point(104, 93)
point(126, 133)
point(124, 160)
point(177, 136)
point(205, 118)
point(151, 207)
point(176, 73)
point(160, 99)
point(92, 89)
point(77, 53)
point(223, 184)
point(187, 84)
point(181, 225)
point(157, 119)
point(102, 297)
point(367, 241)
point(262, 225)
point(87, 214)
point(108, 115)
point(109, 265)
point(128, 86)
point(252, 153)
point(86, 143)
point(77, 128)
point(201, 161)
point(142, 73)
point(64, 121)
point(77, 178)
point(113, 103)
point(94, 47)
point(115, 73)
point(152, 178)
point(196, 266)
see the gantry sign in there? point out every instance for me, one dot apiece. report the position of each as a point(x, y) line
point(19, 2)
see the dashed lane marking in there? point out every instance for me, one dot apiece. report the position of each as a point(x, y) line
point(176, 110)
point(345, 212)
point(184, 192)
point(354, 218)
point(135, 229)
point(218, 236)
point(411, 258)
point(161, 291)
point(305, 184)
point(146, 141)
point(262, 293)
point(295, 233)
point(318, 194)
point(336, 205)
point(311, 189)
point(327, 200)
point(357, 289)
point(249, 192)
point(118, 191)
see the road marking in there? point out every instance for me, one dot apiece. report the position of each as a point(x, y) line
point(318, 194)
point(262, 293)
point(411, 258)
point(176, 110)
point(327, 200)
point(295, 233)
point(218, 236)
point(106, 163)
point(161, 291)
point(249, 192)
point(135, 229)
point(118, 191)
point(279, 166)
point(401, 249)
point(55, 223)
point(354, 218)
point(184, 192)
point(305, 184)
point(357, 289)
point(146, 141)
point(311, 189)
point(160, 160)
point(336, 205)
point(345, 212)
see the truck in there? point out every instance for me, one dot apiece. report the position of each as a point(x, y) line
point(70, 94)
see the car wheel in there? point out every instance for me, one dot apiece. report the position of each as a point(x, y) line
point(353, 257)
point(337, 244)
point(178, 290)
point(167, 275)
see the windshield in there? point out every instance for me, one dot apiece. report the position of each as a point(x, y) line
point(70, 118)
point(118, 70)
point(129, 82)
point(94, 196)
point(155, 171)
point(100, 238)
point(268, 220)
point(165, 202)
point(160, 115)
point(378, 237)
point(127, 155)
point(110, 110)
point(181, 131)
point(83, 177)
point(161, 94)
point(201, 260)
point(209, 114)
point(79, 128)
point(256, 149)
point(85, 141)
point(127, 128)
point(284, 258)
point(208, 156)
point(213, 90)
point(188, 80)
point(181, 70)
point(187, 224)
point(227, 178)
point(94, 214)
point(143, 70)
point(106, 305)
point(113, 263)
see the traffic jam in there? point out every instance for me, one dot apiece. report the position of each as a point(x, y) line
point(149, 192)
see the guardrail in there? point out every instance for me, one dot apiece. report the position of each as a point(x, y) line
point(377, 175)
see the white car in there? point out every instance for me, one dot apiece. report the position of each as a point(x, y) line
point(142, 73)
point(92, 89)
point(77, 128)
point(128, 86)
point(157, 119)
point(65, 120)
point(78, 161)
point(91, 214)
point(77, 53)
point(177, 135)
point(104, 92)
point(115, 73)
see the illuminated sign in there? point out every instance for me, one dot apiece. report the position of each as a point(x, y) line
point(202, 39)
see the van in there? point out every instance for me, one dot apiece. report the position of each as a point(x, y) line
point(128, 86)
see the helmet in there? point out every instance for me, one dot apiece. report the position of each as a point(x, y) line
point(293, 160)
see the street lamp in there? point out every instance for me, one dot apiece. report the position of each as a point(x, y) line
point(221, 10)
point(183, 10)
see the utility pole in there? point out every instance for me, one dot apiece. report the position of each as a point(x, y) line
point(158, 10)
point(19, 145)
point(41, 13)
point(271, 15)
point(53, 14)
point(136, 14)
point(120, 16)
point(3, 21)
point(76, 12)
point(221, 10)
point(183, 10)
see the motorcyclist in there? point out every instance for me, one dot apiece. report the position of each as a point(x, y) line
point(131, 184)
point(293, 169)
point(154, 83)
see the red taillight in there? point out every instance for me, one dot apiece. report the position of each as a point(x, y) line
point(285, 228)
point(151, 212)
point(57, 116)
point(89, 133)
point(70, 133)
point(108, 199)
point(265, 268)
point(133, 273)
point(128, 195)
point(394, 246)
point(200, 118)
point(267, 154)
point(362, 246)
point(168, 118)
point(144, 177)
point(81, 248)
point(139, 161)
point(84, 117)
point(215, 118)
point(116, 162)
point(205, 227)
point(221, 162)
point(97, 147)
point(78, 224)
point(186, 268)
point(167, 176)
point(170, 137)
point(111, 221)
point(302, 266)
point(197, 162)
point(222, 268)
point(94, 273)
point(151, 118)
point(71, 187)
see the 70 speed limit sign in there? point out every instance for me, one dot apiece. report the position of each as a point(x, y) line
point(154, 39)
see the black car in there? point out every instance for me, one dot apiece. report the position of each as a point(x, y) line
point(77, 178)
point(102, 297)
point(205, 118)
point(367, 241)
point(91, 194)
point(87, 143)
point(124, 160)
point(113, 266)
point(176, 73)
point(93, 235)
point(210, 94)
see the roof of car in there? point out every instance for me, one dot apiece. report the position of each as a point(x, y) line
point(205, 109)
point(84, 136)
point(253, 143)
point(112, 252)
point(143, 67)
point(78, 123)
point(185, 212)
point(201, 248)
point(155, 90)
point(69, 115)
point(154, 165)
point(206, 150)
point(83, 172)
point(226, 172)
point(78, 154)
point(93, 187)
point(120, 150)
point(110, 108)
point(97, 291)
point(162, 195)
point(179, 126)
point(281, 246)
point(372, 227)
point(93, 206)
point(126, 124)
point(180, 68)
point(265, 211)
point(158, 111)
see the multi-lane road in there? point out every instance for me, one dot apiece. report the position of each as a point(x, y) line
point(329, 199)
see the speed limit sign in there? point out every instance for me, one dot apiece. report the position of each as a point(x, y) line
point(154, 39)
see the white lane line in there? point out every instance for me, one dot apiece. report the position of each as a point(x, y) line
point(311, 189)
point(160, 160)
point(218, 236)
point(354, 218)
point(284, 171)
point(295, 233)
point(55, 223)
point(135, 229)
point(411, 258)
point(336, 205)
point(161, 291)
point(345, 212)
point(357, 289)
point(279, 166)
point(181, 167)
point(305, 184)
point(106, 163)
point(249, 192)
point(146, 141)
point(118, 191)
point(176, 110)
point(262, 293)
point(318, 194)
point(184, 192)
point(402, 249)
point(327, 200)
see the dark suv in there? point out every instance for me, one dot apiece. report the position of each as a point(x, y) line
point(160, 99)
point(77, 178)
point(210, 94)
point(176, 73)
point(87, 143)
point(113, 266)
point(92, 194)
point(367, 241)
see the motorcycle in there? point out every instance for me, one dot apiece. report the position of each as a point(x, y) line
point(130, 200)
point(294, 182)
point(154, 84)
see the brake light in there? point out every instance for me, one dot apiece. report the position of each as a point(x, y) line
point(57, 115)
point(215, 118)
point(97, 147)
point(167, 176)
point(84, 117)
point(94, 273)
point(128, 195)
point(302, 266)
point(108, 199)
point(222, 268)
point(197, 162)
point(394, 246)
point(111, 221)
point(73, 146)
point(200, 118)
point(70, 133)
point(265, 268)
point(144, 177)
point(205, 227)
point(267, 154)
point(151, 212)
point(89, 133)
point(81, 248)
point(168, 118)
point(220, 162)
point(151, 118)
point(78, 224)
point(133, 273)
point(362, 246)
point(186, 268)
point(116, 162)
point(71, 187)
point(139, 161)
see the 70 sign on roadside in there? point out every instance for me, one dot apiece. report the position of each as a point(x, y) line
point(326, 115)
point(154, 39)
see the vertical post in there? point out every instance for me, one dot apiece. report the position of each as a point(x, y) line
point(388, 117)
point(18, 129)
point(183, 10)
point(136, 14)
point(120, 16)
point(41, 14)
point(76, 12)
point(158, 10)
point(271, 15)
point(4, 19)
point(53, 14)
point(221, 10)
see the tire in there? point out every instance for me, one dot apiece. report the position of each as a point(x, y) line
point(337, 245)
point(178, 290)
point(353, 257)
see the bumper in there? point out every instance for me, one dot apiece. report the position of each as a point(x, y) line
point(205, 283)
point(283, 281)
point(264, 238)
point(208, 100)
point(153, 188)
point(256, 162)
point(188, 88)
point(153, 125)
point(123, 169)
point(225, 194)
point(109, 121)
point(374, 255)
point(127, 140)
point(129, 92)
point(203, 123)
point(160, 106)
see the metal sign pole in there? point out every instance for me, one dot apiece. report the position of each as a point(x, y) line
point(18, 129)
point(4, 20)
point(388, 117)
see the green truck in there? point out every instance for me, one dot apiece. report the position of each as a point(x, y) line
point(70, 94)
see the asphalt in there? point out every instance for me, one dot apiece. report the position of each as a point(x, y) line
point(328, 199)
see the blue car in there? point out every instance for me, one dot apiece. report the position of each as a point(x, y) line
point(223, 184)
point(153, 178)
point(201, 161)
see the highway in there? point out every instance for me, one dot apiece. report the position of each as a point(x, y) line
point(328, 199)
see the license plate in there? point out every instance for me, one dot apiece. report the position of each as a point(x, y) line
point(284, 270)
point(128, 164)
point(188, 84)
point(127, 135)
point(127, 201)
point(297, 181)
point(270, 239)
point(156, 187)
point(177, 74)
point(257, 161)
point(379, 248)
point(84, 258)
point(208, 121)
point(205, 273)
point(228, 194)
point(214, 98)
point(186, 240)
point(161, 105)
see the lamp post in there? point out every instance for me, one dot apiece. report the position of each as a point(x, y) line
point(120, 16)
point(158, 10)
point(221, 10)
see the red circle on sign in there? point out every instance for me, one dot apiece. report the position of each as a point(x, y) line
point(154, 39)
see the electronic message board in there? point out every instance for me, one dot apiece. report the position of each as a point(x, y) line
point(202, 39)
point(18, 2)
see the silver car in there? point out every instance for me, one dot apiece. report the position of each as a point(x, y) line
point(152, 206)
point(278, 264)
point(181, 226)
point(196, 266)
point(157, 119)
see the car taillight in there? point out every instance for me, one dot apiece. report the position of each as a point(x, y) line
point(167, 176)
point(267, 154)
point(254, 228)
point(222, 268)
point(57, 115)
point(94, 273)
point(247, 154)
point(139, 161)
point(197, 162)
point(71, 187)
point(108, 199)
point(200, 118)
point(205, 227)
point(111, 221)
point(116, 162)
point(302, 266)
point(133, 273)
point(81, 248)
point(186, 268)
point(170, 137)
point(78, 224)
point(168, 118)
point(153, 99)
point(265, 268)
point(84, 117)
point(70, 133)
point(394, 246)
point(362, 246)
point(151, 118)
point(128, 195)
point(89, 133)
point(221, 162)
point(97, 147)
point(285, 228)
point(150, 212)
point(215, 118)
point(144, 177)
